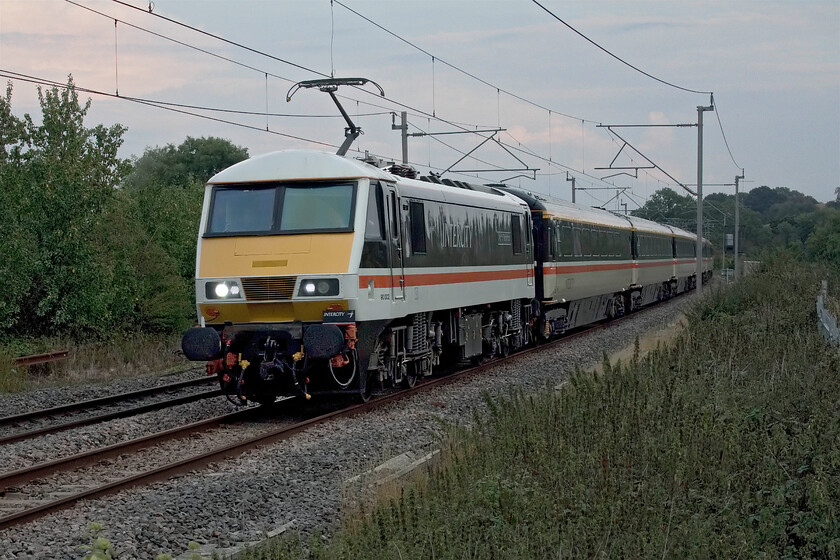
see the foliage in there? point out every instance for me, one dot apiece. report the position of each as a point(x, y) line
point(95, 246)
point(823, 244)
point(725, 445)
point(780, 201)
point(59, 180)
point(769, 217)
point(195, 160)
point(99, 548)
point(666, 204)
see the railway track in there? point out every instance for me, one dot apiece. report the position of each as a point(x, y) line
point(35, 491)
point(65, 417)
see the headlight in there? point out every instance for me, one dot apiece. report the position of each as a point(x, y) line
point(321, 287)
point(228, 289)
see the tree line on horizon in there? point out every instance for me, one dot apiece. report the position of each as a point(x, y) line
point(768, 218)
point(95, 245)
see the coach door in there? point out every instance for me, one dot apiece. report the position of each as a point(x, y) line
point(395, 243)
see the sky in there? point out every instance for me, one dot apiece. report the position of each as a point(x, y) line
point(773, 67)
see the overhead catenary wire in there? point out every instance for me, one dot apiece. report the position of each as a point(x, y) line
point(723, 134)
point(618, 58)
point(52, 83)
point(12, 75)
point(453, 66)
point(455, 124)
point(401, 105)
point(418, 112)
point(462, 126)
point(220, 38)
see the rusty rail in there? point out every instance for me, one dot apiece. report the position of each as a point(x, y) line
point(53, 356)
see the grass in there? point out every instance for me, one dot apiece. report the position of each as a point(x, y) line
point(128, 356)
point(725, 444)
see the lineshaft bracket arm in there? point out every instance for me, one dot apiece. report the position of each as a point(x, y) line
point(330, 85)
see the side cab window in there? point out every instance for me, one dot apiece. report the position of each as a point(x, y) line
point(375, 224)
point(417, 219)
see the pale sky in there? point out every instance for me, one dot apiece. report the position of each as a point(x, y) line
point(774, 68)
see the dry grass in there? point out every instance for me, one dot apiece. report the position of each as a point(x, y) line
point(131, 356)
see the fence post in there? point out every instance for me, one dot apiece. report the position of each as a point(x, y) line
point(827, 322)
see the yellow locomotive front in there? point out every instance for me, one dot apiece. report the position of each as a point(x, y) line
point(277, 272)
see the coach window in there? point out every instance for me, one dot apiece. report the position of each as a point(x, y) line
point(586, 241)
point(604, 242)
point(418, 226)
point(516, 234)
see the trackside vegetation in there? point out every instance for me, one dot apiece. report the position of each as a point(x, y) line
point(724, 444)
point(98, 252)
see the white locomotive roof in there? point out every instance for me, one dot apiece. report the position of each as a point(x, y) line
point(455, 195)
point(290, 165)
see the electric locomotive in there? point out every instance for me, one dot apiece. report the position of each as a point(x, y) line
point(319, 274)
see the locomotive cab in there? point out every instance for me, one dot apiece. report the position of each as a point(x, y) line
point(277, 272)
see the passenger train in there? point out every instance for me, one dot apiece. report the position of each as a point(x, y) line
point(319, 274)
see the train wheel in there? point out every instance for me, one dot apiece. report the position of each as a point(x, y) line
point(409, 378)
point(365, 389)
point(504, 347)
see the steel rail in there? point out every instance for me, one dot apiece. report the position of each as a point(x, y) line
point(110, 416)
point(102, 401)
point(34, 472)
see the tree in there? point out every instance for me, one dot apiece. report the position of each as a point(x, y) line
point(59, 179)
point(666, 204)
point(17, 264)
point(777, 203)
point(195, 160)
point(824, 243)
point(167, 188)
